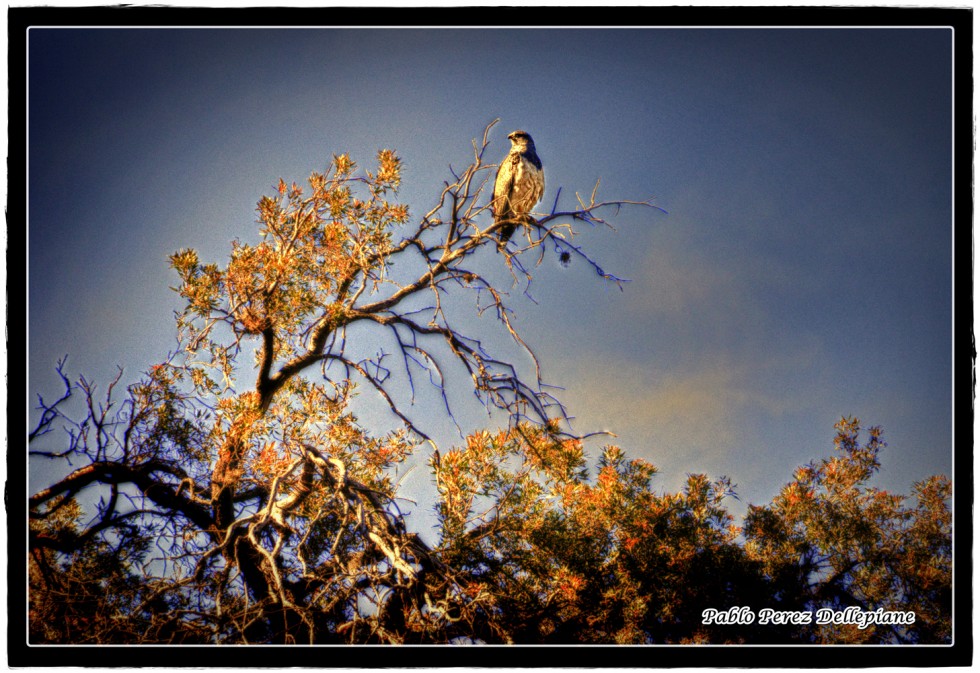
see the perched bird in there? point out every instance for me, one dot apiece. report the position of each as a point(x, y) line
point(518, 187)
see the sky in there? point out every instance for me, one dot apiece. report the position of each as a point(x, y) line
point(802, 270)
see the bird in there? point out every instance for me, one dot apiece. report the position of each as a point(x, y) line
point(518, 187)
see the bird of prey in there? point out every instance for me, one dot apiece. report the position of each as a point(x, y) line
point(518, 187)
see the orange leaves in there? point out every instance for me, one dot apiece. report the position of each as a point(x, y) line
point(338, 201)
point(319, 249)
point(456, 494)
point(270, 210)
point(252, 321)
point(805, 474)
point(270, 461)
point(389, 169)
point(185, 262)
point(851, 539)
point(462, 474)
point(560, 458)
point(247, 410)
point(796, 495)
point(571, 494)
point(629, 543)
point(569, 584)
point(932, 512)
point(335, 237)
point(200, 284)
point(343, 165)
point(607, 484)
point(398, 214)
point(388, 452)
point(245, 278)
point(607, 559)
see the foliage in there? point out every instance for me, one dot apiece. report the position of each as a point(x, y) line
point(196, 508)
point(830, 540)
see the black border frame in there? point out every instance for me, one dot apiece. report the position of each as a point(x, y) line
point(960, 653)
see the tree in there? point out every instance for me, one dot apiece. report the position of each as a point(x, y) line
point(558, 557)
point(828, 540)
point(219, 500)
point(273, 511)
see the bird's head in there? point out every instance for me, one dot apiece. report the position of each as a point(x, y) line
point(521, 139)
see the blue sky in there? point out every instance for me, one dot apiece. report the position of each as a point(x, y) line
point(802, 271)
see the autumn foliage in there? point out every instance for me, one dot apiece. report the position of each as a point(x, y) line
point(226, 498)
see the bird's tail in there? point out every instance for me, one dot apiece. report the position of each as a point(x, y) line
point(505, 233)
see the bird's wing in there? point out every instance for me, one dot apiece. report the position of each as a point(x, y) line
point(502, 188)
point(534, 169)
point(538, 185)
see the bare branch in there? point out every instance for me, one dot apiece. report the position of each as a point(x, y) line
point(49, 412)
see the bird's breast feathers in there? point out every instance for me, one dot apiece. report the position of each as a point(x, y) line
point(519, 185)
point(528, 184)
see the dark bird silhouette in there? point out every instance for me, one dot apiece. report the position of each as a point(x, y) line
point(518, 187)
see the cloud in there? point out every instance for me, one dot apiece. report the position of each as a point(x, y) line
point(719, 414)
point(690, 409)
